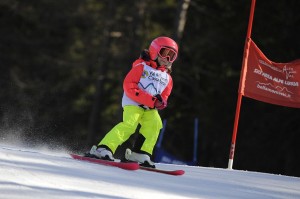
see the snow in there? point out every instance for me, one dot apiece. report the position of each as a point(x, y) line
point(39, 173)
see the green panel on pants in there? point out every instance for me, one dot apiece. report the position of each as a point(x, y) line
point(132, 116)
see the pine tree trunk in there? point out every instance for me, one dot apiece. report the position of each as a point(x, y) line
point(95, 116)
point(181, 19)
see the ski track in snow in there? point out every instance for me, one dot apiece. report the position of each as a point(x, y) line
point(33, 173)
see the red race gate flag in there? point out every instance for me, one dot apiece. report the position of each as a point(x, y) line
point(270, 82)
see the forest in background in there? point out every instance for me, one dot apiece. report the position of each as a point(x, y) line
point(63, 62)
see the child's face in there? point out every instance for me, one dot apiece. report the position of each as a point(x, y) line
point(163, 61)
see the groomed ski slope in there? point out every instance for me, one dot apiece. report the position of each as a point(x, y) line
point(39, 173)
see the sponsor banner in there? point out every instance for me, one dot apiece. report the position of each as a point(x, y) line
point(270, 82)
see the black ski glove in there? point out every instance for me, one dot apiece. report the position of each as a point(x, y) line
point(160, 103)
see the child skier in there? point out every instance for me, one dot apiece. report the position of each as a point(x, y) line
point(147, 87)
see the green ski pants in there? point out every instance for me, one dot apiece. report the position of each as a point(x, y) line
point(149, 120)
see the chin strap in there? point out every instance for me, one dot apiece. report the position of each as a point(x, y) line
point(154, 63)
point(169, 69)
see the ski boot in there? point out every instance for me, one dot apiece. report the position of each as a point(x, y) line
point(142, 158)
point(100, 152)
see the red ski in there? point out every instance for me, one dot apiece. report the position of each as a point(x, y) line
point(127, 165)
point(122, 165)
point(169, 172)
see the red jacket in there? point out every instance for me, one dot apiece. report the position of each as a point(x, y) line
point(139, 94)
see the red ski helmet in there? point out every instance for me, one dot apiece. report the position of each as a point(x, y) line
point(163, 47)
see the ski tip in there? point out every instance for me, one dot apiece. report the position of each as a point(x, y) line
point(180, 172)
point(169, 172)
point(176, 172)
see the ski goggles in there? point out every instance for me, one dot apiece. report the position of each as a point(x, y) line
point(169, 53)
